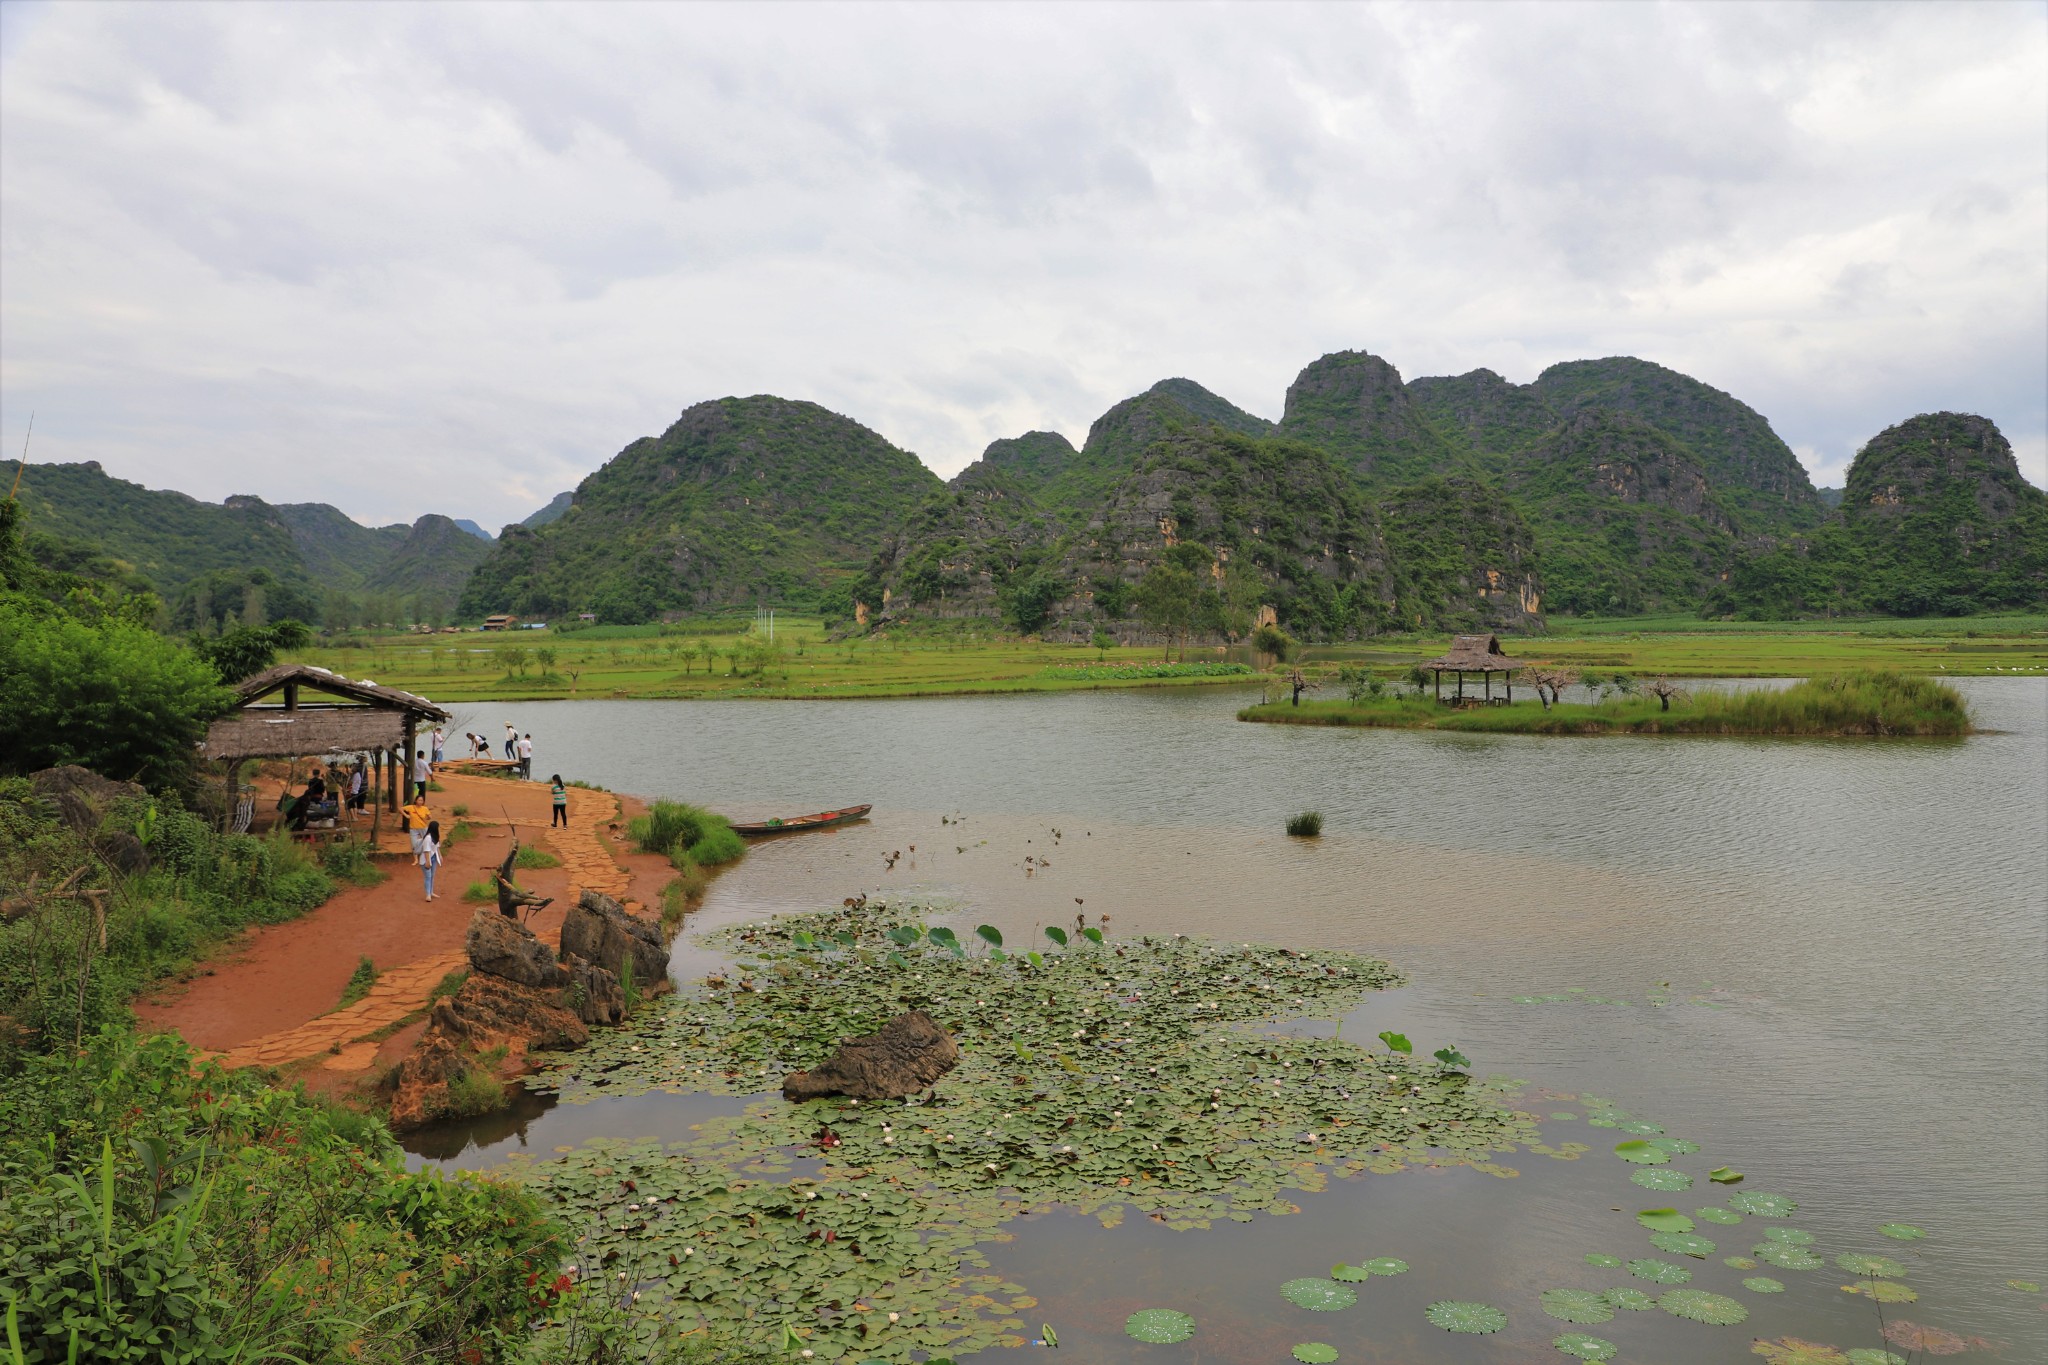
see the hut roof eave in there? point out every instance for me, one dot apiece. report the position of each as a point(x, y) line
point(334, 684)
point(1476, 654)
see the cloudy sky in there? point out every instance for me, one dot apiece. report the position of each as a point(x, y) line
point(409, 258)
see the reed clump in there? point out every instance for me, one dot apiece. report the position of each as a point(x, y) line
point(683, 832)
point(1307, 825)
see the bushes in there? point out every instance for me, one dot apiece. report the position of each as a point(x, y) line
point(1307, 825)
point(685, 832)
point(153, 1208)
point(533, 855)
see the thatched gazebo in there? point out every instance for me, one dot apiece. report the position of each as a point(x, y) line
point(359, 717)
point(1475, 654)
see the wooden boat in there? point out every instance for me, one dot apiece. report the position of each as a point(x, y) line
point(821, 820)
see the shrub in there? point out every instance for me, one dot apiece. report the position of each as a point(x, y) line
point(475, 1092)
point(680, 830)
point(459, 810)
point(1307, 825)
point(1272, 640)
point(350, 862)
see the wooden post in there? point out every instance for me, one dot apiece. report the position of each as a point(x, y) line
point(227, 816)
point(1461, 686)
point(405, 783)
point(1438, 674)
point(1489, 684)
point(291, 696)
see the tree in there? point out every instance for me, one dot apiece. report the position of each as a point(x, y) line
point(1028, 601)
point(1299, 682)
point(1242, 589)
point(1166, 601)
point(243, 651)
point(1102, 641)
point(110, 695)
point(546, 655)
point(1270, 639)
point(1551, 680)
point(1665, 691)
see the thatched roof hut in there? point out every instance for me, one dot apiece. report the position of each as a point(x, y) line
point(1474, 654)
point(353, 717)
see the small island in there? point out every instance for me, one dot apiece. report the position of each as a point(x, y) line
point(1877, 703)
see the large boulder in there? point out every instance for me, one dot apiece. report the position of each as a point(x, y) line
point(488, 1012)
point(508, 950)
point(594, 994)
point(602, 932)
point(908, 1054)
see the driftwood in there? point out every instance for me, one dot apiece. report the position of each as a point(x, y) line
point(511, 898)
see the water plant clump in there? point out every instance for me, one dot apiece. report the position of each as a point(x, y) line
point(1110, 1077)
point(1162, 1326)
point(1307, 825)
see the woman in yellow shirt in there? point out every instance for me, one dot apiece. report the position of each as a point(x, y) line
point(416, 817)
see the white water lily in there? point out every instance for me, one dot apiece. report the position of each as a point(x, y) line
point(894, 1317)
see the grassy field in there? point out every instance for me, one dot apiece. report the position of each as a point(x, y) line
point(1875, 703)
point(726, 659)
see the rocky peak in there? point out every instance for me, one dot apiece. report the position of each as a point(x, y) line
point(1905, 468)
point(1354, 405)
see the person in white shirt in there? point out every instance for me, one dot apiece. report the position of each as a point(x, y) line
point(526, 758)
point(511, 740)
point(430, 854)
point(440, 743)
point(421, 771)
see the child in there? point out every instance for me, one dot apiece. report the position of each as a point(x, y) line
point(560, 792)
point(430, 854)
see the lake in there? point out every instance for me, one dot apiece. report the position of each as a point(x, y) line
point(1850, 939)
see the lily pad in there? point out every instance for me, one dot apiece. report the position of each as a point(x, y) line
point(2024, 1286)
point(1674, 1146)
point(1658, 1272)
point(1682, 1244)
point(1722, 1175)
point(1727, 1218)
point(1577, 1305)
point(1762, 1205)
point(1699, 1305)
point(1738, 1263)
point(1664, 1220)
point(1763, 1284)
point(1471, 1319)
point(1320, 1296)
point(1884, 1291)
point(1640, 1126)
point(1387, 1265)
point(1902, 1232)
point(1640, 1153)
point(1787, 1258)
point(1315, 1353)
point(1163, 1326)
point(1659, 1178)
point(1630, 1298)
point(1797, 1351)
point(1791, 1237)
point(1871, 1355)
point(1580, 1346)
point(1863, 1263)
point(1350, 1274)
point(1601, 1258)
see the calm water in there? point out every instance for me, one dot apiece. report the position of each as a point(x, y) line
point(1864, 926)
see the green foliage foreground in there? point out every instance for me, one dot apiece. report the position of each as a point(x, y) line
point(1872, 702)
point(1100, 1075)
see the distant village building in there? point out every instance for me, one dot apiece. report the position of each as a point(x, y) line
point(499, 622)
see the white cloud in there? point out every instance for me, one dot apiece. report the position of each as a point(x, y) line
point(452, 257)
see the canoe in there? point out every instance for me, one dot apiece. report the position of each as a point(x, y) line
point(796, 825)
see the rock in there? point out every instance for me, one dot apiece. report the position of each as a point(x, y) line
point(907, 1054)
point(487, 1012)
point(594, 993)
point(507, 949)
point(599, 930)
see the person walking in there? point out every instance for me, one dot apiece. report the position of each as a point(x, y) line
point(421, 772)
point(430, 854)
point(358, 788)
point(417, 818)
point(511, 741)
point(526, 758)
point(560, 792)
point(440, 744)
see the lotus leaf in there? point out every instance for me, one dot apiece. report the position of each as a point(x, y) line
point(1315, 1353)
point(1387, 1265)
point(1658, 1272)
point(1763, 1284)
point(1936, 1341)
point(1682, 1244)
point(1631, 1298)
point(1349, 1274)
point(990, 935)
point(1871, 1355)
point(1643, 1126)
point(1791, 1237)
point(1450, 1056)
point(1474, 1319)
point(1721, 1175)
point(1698, 1305)
point(1727, 1218)
point(1902, 1232)
point(1664, 1220)
point(1863, 1263)
point(1795, 1351)
point(1738, 1262)
point(1056, 934)
point(1786, 1258)
point(1581, 1346)
point(2024, 1286)
point(1092, 934)
point(1884, 1291)
point(1577, 1305)
point(1762, 1205)
point(1319, 1296)
point(1641, 1153)
point(1564, 1114)
point(1397, 1042)
point(1601, 1258)
point(1674, 1146)
point(1598, 1122)
point(1163, 1326)
point(1660, 1178)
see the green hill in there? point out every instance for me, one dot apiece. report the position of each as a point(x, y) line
point(741, 500)
point(1759, 478)
point(557, 505)
point(1031, 461)
point(430, 567)
point(337, 550)
point(1118, 437)
point(1354, 406)
point(1484, 413)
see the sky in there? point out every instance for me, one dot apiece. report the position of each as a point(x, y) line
point(451, 258)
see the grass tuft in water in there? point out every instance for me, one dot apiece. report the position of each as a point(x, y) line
point(1307, 825)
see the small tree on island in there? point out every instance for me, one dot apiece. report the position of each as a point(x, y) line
point(1666, 691)
point(1102, 642)
point(1551, 681)
point(1299, 682)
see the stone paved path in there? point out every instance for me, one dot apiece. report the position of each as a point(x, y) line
point(403, 990)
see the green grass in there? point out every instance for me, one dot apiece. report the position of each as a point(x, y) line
point(1307, 825)
point(686, 835)
point(1859, 702)
point(533, 855)
point(359, 983)
point(480, 893)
